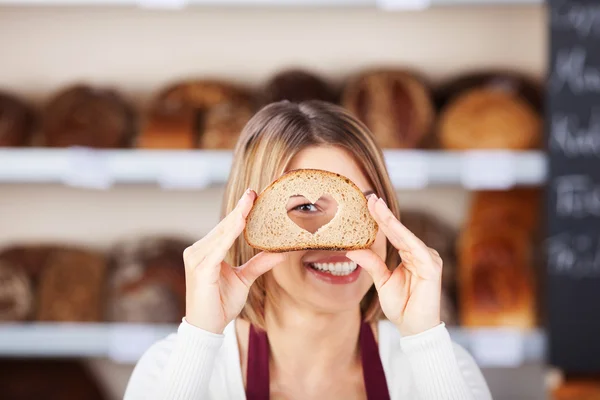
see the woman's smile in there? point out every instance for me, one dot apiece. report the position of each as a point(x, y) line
point(334, 269)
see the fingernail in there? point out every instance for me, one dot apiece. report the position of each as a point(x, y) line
point(369, 197)
point(383, 201)
point(246, 193)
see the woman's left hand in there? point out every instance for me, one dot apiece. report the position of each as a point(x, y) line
point(410, 295)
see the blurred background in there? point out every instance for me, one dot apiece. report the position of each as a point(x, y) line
point(117, 118)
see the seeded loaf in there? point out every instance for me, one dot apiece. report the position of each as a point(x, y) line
point(269, 228)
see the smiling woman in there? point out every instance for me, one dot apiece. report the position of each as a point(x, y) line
point(310, 323)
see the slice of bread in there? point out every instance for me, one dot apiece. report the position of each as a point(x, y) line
point(269, 228)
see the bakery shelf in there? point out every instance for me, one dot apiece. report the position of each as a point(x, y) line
point(127, 342)
point(178, 4)
point(197, 169)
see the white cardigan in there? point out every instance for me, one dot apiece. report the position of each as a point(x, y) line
point(196, 364)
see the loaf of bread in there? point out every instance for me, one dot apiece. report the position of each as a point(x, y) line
point(518, 84)
point(520, 208)
point(496, 286)
point(18, 121)
point(16, 294)
point(298, 85)
point(30, 258)
point(147, 281)
point(206, 114)
point(31, 379)
point(88, 116)
point(395, 105)
point(489, 119)
point(270, 228)
point(71, 286)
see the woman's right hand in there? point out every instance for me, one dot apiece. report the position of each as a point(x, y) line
point(215, 291)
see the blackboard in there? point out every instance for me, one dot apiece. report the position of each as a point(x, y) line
point(573, 191)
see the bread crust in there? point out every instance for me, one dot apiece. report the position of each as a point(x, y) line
point(327, 247)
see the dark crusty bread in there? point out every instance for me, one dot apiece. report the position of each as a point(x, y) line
point(269, 228)
point(71, 286)
point(396, 105)
point(88, 116)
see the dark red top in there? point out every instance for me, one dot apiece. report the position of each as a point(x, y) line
point(257, 377)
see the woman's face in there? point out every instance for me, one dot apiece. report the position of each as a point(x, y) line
point(325, 281)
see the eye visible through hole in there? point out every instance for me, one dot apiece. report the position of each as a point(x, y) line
point(311, 216)
point(308, 207)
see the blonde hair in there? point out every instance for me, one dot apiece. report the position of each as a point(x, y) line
point(266, 146)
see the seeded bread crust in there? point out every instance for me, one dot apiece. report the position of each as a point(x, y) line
point(268, 226)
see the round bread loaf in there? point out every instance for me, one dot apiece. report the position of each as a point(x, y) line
point(204, 113)
point(17, 121)
point(30, 379)
point(297, 85)
point(71, 286)
point(147, 281)
point(489, 119)
point(511, 82)
point(16, 295)
point(395, 105)
point(86, 116)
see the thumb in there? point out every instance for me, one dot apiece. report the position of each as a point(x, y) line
point(373, 264)
point(258, 265)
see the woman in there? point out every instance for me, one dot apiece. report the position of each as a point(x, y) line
point(274, 327)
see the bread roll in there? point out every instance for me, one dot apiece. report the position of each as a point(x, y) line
point(71, 287)
point(17, 121)
point(47, 379)
point(208, 114)
point(495, 277)
point(489, 119)
point(147, 281)
point(16, 294)
point(87, 116)
point(297, 85)
point(395, 105)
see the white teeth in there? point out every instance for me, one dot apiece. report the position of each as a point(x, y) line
point(337, 269)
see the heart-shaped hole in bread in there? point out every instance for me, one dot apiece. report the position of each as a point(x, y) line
point(269, 228)
point(311, 216)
